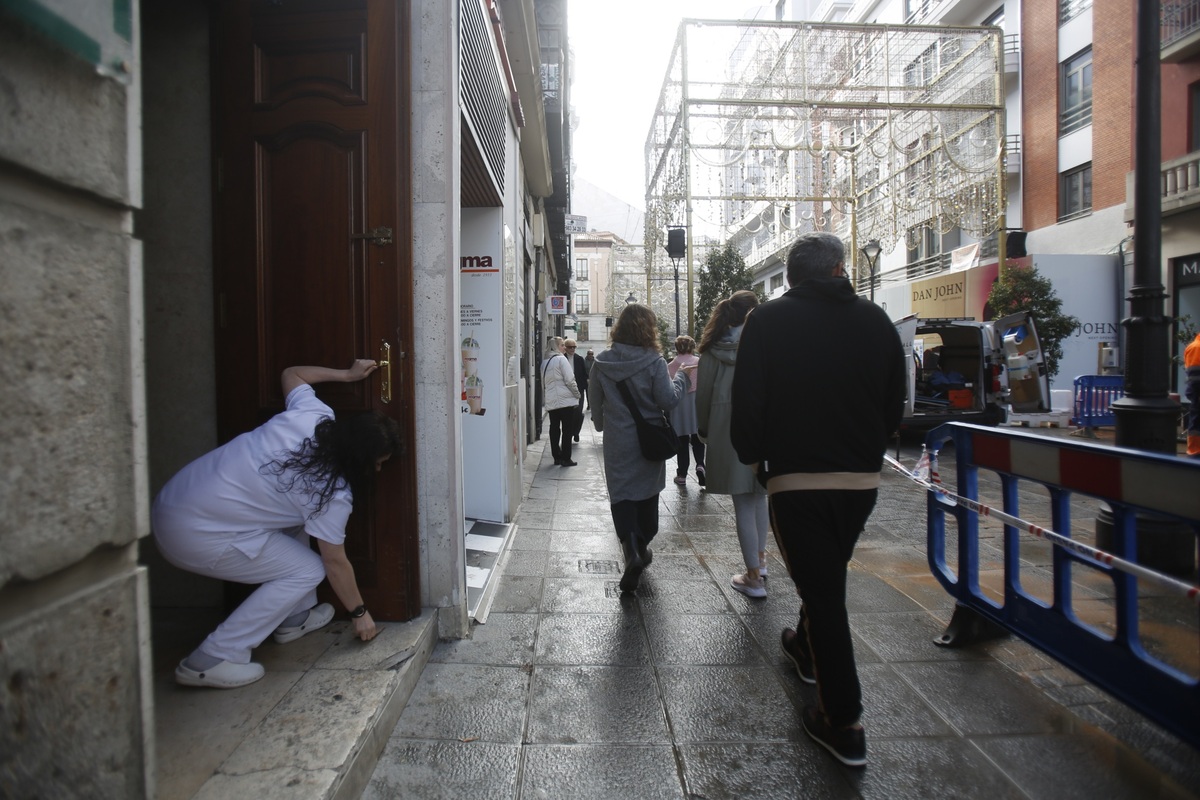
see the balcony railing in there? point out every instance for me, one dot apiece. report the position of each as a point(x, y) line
point(925, 267)
point(1069, 9)
point(1180, 187)
point(1181, 177)
point(1012, 52)
point(1180, 19)
point(1012, 153)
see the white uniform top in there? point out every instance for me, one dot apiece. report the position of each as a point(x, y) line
point(228, 499)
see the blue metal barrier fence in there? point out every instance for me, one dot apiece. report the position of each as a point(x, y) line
point(1092, 400)
point(1129, 481)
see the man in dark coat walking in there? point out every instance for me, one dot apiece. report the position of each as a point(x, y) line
point(816, 426)
point(581, 380)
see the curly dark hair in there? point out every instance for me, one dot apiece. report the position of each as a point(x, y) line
point(342, 451)
point(637, 326)
point(729, 313)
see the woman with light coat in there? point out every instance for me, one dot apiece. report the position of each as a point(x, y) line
point(714, 409)
point(560, 396)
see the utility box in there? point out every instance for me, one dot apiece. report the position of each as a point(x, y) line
point(1108, 359)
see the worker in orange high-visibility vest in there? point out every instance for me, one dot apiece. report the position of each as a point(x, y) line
point(1191, 363)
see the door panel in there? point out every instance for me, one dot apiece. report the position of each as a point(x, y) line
point(310, 160)
point(1024, 363)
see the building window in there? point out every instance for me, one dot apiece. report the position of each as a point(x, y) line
point(581, 269)
point(1194, 117)
point(582, 302)
point(1075, 193)
point(1075, 92)
point(777, 281)
point(1070, 9)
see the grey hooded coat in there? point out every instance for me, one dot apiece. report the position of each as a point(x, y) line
point(629, 476)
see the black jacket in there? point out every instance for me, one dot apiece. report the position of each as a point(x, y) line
point(820, 382)
point(581, 374)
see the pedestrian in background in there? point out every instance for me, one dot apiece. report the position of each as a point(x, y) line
point(560, 396)
point(1191, 363)
point(581, 381)
point(245, 511)
point(714, 410)
point(589, 361)
point(634, 483)
point(820, 449)
point(683, 418)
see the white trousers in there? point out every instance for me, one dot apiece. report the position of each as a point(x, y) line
point(287, 569)
point(753, 518)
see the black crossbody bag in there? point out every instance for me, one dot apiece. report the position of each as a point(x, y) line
point(657, 439)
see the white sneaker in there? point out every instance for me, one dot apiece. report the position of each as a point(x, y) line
point(318, 617)
point(751, 587)
point(225, 675)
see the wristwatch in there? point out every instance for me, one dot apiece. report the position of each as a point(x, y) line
point(358, 612)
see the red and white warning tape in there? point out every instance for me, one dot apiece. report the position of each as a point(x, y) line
point(933, 483)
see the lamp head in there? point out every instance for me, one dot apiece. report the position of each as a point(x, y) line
point(871, 250)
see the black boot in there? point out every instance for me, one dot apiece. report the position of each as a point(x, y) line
point(634, 564)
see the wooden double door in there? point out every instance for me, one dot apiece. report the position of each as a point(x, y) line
point(313, 238)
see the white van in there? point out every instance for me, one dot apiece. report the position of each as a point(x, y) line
point(960, 370)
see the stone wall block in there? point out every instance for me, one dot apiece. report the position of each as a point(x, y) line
point(71, 706)
point(65, 387)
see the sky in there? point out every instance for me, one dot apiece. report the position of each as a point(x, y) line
point(621, 49)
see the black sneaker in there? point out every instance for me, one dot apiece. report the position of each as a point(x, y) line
point(796, 650)
point(847, 745)
point(700, 476)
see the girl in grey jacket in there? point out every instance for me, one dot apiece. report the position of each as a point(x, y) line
point(714, 411)
point(633, 482)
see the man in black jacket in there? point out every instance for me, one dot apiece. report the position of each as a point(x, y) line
point(581, 380)
point(817, 425)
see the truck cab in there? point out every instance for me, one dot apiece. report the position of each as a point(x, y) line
point(961, 370)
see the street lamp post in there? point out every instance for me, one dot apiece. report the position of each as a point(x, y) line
point(871, 250)
point(676, 249)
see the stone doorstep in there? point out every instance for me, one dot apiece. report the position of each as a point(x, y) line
point(323, 739)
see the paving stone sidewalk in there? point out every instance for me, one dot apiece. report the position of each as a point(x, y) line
point(571, 690)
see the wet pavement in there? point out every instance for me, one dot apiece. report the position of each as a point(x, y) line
point(572, 690)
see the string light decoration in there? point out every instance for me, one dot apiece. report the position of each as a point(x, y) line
point(766, 130)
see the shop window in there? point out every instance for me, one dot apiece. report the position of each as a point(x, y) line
point(1075, 193)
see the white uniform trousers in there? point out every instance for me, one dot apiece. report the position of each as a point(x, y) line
point(288, 571)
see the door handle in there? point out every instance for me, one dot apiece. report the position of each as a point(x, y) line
point(385, 372)
point(379, 236)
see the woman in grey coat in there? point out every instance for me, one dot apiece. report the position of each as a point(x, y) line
point(714, 411)
point(633, 482)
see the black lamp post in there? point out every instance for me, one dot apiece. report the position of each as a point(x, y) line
point(630, 300)
point(676, 249)
point(872, 250)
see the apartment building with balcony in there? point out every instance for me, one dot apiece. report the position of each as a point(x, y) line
point(1180, 171)
point(1067, 72)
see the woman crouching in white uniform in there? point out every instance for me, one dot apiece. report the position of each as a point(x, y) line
point(244, 513)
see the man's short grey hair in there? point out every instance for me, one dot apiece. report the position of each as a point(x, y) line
point(814, 255)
